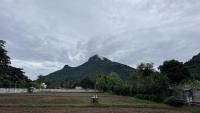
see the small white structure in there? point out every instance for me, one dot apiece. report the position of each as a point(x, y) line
point(43, 85)
point(78, 88)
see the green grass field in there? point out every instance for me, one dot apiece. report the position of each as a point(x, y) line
point(65, 102)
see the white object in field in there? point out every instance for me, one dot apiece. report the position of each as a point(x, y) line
point(43, 85)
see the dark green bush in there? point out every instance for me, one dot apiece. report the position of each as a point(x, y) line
point(172, 101)
point(149, 97)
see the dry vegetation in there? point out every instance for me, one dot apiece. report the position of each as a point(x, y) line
point(77, 103)
point(82, 110)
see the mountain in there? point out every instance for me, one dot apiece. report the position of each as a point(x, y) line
point(94, 65)
point(193, 66)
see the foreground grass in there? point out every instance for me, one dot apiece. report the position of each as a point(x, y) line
point(191, 109)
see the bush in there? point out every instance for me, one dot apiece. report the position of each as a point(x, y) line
point(149, 97)
point(172, 101)
point(125, 90)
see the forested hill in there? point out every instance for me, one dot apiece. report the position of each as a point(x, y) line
point(193, 66)
point(94, 65)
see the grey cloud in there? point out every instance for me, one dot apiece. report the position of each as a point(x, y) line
point(42, 36)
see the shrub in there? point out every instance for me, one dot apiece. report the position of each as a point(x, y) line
point(149, 97)
point(125, 90)
point(172, 101)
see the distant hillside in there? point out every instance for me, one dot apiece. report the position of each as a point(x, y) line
point(90, 68)
point(193, 66)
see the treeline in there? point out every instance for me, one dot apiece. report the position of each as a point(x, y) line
point(10, 76)
point(146, 80)
point(154, 84)
point(150, 84)
point(86, 83)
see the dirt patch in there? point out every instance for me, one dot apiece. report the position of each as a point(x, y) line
point(82, 110)
point(44, 99)
point(65, 98)
point(121, 100)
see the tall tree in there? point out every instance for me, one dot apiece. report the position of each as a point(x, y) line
point(101, 81)
point(4, 58)
point(145, 69)
point(113, 80)
point(175, 71)
point(10, 76)
point(87, 83)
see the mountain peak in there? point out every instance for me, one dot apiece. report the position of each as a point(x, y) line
point(197, 57)
point(97, 58)
point(66, 66)
point(94, 65)
point(193, 66)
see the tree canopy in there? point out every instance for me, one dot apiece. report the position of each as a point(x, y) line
point(145, 69)
point(4, 58)
point(175, 71)
point(10, 76)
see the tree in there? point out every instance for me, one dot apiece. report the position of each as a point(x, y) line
point(101, 82)
point(10, 76)
point(4, 58)
point(145, 69)
point(41, 79)
point(69, 84)
point(87, 83)
point(157, 84)
point(175, 71)
point(113, 80)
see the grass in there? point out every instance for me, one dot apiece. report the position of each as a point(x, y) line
point(192, 109)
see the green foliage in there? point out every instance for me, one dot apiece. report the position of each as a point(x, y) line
point(172, 101)
point(41, 79)
point(192, 109)
point(175, 71)
point(34, 84)
point(149, 97)
point(101, 82)
point(13, 77)
point(10, 76)
point(125, 90)
point(145, 69)
point(87, 83)
point(189, 84)
point(155, 84)
point(148, 81)
point(113, 80)
point(4, 58)
point(109, 82)
point(53, 85)
point(69, 84)
point(193, 66)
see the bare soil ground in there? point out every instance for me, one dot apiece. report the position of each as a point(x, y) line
point(78, 103)
point(66, 99)
point(82, 110)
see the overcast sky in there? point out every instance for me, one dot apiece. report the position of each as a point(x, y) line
point(44, 35)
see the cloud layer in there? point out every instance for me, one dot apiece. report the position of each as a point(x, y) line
point(44, 35)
